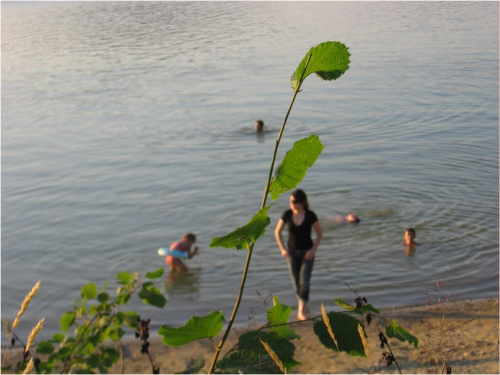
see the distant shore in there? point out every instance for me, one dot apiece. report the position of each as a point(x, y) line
point(475, 345)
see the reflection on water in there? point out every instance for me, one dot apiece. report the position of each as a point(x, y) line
point(260, 135)
point(182, 283)
point(410, 250)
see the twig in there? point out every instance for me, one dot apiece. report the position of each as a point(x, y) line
point(389, 347)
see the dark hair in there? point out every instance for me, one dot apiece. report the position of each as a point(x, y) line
point(190, 236)
point(412, 231)
point(260, 122)
point(301, 197)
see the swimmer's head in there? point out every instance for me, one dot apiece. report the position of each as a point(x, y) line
point(259, 125)
point(410, 235)
point(189, 237)
point(351, 218)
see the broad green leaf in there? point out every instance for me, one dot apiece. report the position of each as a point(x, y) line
point(124, 277)
point(151, 295)
point(46, 368)
point(345, 329)
point(89, 291)
point(103, 297)
point(67, 319)
point(195, 328)
point(103, 321)
point(45, 347)
point(116, 334)
point(277, 318)
point(104, 333)
point(365, 308)
point(329, 61)
point(340, 302)
point(80, 311)
point(357, 310)
point(242, 237)
point(122, 296)
point(102, 361)
point(105, 286)
point(156, 274)
point(58, 337)
point(293, 168)
point(252, 358)
point(193, 366)
point(131, 319)
point(396, 332)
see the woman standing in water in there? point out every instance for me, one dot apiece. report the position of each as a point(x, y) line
point(301, 249)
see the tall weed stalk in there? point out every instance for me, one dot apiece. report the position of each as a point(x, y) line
point(251, 245)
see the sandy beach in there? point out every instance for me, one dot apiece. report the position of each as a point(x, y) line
point(474, 348)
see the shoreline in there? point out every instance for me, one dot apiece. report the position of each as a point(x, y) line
point(474, 345)
point(475, 348)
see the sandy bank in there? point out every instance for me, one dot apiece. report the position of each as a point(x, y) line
point(474, 346)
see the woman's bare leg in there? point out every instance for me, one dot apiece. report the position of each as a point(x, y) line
point(302, 310)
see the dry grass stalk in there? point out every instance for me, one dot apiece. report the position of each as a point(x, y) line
point(363, 340)
point(25, 303)
point(34, 333)
point(7, 327)
point(326, 319)
point(274, 357)
point(29, 366)
point(441, 329)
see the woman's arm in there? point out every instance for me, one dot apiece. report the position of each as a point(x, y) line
point(319, 236)
point(279, 239)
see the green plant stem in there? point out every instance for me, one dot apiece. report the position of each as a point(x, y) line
point(266, 191)
point(250, 248)
point(389, 347)
point(376, 324)
point(88, 324)
point(235, 310)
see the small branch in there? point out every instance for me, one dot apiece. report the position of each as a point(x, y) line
point(380, 331)
point(88, 324)
point(122, 362)
point(389, 347)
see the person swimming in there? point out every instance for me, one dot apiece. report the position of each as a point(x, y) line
point(409, 241)
point(409, 237)
point(259, 125)
point(350, 218)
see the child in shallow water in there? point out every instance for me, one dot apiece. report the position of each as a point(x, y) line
point(185, 245)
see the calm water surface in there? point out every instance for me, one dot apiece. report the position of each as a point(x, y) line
point(126, 124)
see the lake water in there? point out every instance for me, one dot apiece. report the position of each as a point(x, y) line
point(126, 124)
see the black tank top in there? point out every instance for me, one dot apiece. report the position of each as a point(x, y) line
point(299, 236)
